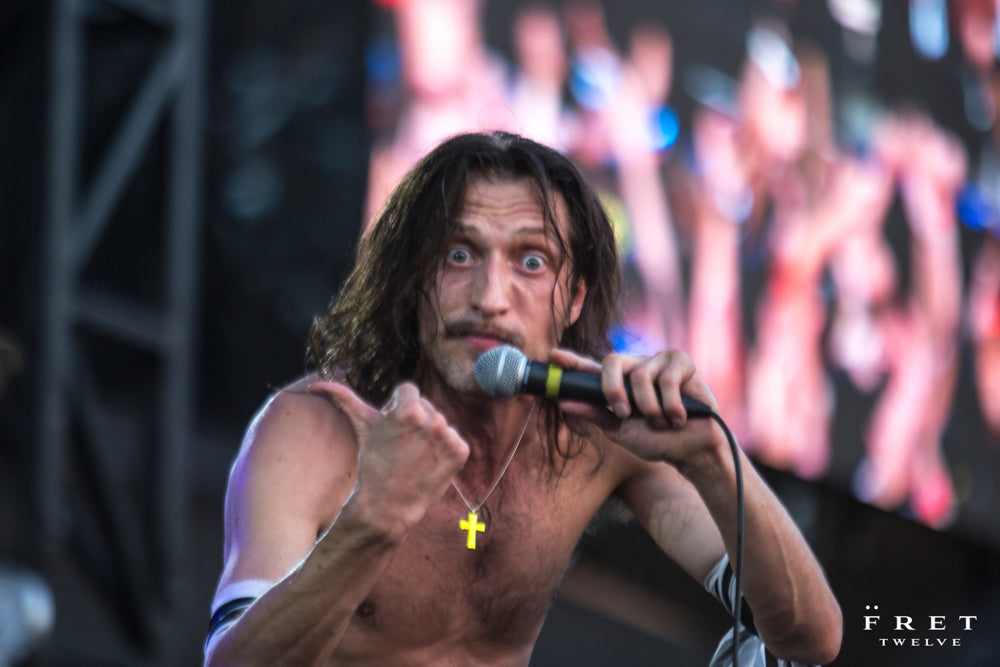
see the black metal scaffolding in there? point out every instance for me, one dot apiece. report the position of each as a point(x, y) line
point(161, 121)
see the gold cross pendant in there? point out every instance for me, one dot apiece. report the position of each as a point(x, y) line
point(473, 526)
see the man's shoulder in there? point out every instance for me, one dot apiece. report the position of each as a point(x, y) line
point(296, 424)
point(296, 465)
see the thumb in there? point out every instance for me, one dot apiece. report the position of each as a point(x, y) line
point(359, 412)
point(570, 360)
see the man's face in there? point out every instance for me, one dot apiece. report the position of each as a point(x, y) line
point(499, 282)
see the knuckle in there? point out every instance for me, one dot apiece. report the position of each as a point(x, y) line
point(437, 426)
point(456, 451)
point(680, 357)
point(460, 452)
point(410, 413)
point(664, 380)
point(641, 373)
point(667, 357)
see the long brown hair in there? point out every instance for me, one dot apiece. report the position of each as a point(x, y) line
point(368, 336)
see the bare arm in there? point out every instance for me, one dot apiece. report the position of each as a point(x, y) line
point(689, 506)
point(794, 609)
point(369, 476)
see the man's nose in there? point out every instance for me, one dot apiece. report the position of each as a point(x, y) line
point(491, 292)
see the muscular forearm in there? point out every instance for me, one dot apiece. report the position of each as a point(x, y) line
point(794, 609)
point(302, 618)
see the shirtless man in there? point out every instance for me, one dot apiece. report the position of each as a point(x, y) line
point(359, 493)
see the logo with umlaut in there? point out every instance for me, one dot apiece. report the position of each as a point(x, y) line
point(940, 631)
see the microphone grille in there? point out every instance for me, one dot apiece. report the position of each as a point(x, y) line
point(500, 371)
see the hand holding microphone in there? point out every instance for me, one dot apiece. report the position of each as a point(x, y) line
point(505, 371)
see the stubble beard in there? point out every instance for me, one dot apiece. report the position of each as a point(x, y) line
point(451, 363)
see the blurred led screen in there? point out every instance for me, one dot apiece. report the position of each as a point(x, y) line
point(807, 196)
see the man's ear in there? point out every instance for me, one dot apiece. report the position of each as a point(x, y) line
point(576, 307)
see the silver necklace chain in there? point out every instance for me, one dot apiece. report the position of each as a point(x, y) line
point(475, 510)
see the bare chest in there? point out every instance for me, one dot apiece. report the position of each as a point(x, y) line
point(438, 590)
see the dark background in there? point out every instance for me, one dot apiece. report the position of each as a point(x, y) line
point(283, 169)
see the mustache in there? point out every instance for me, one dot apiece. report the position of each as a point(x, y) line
point(460, 328)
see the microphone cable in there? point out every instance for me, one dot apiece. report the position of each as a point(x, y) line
point(738, 580)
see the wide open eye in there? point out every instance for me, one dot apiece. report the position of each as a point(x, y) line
point(459, 255)
point(534, 263)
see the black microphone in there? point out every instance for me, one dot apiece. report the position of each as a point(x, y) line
point(504, 371)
